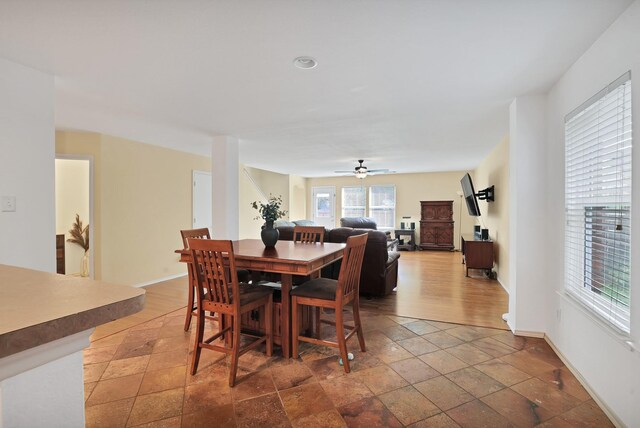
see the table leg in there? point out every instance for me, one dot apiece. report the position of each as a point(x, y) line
point(286, 281)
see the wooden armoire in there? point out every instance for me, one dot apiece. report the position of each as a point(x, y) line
point(436, 225)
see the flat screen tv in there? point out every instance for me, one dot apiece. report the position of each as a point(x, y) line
point(470, 196)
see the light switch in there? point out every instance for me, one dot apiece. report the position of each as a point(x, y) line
point(8, 203)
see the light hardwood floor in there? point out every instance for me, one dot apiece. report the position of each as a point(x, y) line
point(431, 285)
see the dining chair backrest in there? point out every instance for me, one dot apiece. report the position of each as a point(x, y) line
point(216, 288)
point(349, 277)
point(308, 234)
point(202, 233)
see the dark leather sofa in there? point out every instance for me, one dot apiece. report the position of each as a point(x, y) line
point(379, 275)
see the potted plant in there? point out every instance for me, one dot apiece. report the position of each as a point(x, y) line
point(269, 212)
point(80, 236)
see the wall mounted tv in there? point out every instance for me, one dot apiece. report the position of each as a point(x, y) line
point(470, 196)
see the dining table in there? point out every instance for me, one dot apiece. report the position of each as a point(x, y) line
point(287, 258)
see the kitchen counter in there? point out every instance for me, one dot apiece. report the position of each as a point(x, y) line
point(39, 307)
point(45, 323)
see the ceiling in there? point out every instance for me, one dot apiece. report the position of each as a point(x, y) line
point(407, 85)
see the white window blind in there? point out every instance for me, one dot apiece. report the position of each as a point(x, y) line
point(353, 202)
point(598, 203)
point(382, 206)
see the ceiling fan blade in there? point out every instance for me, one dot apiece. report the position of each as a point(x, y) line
point(378, 170)
point(344, 172)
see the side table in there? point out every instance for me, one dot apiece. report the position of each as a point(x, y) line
point(409, 244)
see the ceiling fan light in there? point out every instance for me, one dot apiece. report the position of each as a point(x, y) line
point(361, 173)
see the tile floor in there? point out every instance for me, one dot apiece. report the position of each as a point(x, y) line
point(415, 373)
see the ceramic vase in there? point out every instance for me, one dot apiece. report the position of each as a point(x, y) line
point(269, 235)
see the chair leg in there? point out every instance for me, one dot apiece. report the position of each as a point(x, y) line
point(235, 350)
point(268, 320)
point(195, 359)
point(295, 327)
point(358, 324)
point(317, 312)
point(187, 321)
point(342, 343)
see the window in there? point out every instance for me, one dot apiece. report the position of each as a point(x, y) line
point(382, 206)
point(598, 203)
point(353, 202)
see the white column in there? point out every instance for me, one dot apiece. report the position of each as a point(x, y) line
point(27, 165)
point(527, 215)
point(225, 160)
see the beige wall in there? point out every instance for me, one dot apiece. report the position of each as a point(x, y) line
point(248, 227)
point(410, 190)
point(142, 198)
point(72, 197)
point(494, 170)
point(297, 197)
point(254, 183)
point(88, 144)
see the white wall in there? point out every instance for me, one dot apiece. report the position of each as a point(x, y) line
point(605, 362)
point(27, 167)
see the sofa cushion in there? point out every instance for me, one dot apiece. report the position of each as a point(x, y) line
point(392, 257)
point(283, 223)
point(359, 222)
point(304, 222)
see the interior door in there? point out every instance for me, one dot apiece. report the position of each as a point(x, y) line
point(324, 206)
point(202, 210)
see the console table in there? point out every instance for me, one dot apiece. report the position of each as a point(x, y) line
point(477, 254)
point(409, 245)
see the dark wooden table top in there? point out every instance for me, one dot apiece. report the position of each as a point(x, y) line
point(285, 257)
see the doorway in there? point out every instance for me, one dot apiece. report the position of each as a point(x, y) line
point(202, 205)
point(74, 197)
point(324, 206)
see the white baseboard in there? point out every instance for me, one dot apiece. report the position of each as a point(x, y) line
point(502, 285)
point(525, 333)
point(616, 421)
point(155, 281)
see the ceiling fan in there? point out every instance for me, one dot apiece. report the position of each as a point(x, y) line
point(362, 171)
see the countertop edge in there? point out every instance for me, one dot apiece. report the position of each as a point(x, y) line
point(32, 336)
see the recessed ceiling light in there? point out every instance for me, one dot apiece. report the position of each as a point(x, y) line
point(305, 62)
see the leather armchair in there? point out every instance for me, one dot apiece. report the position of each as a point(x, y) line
point(379, 275)
point(358, 222)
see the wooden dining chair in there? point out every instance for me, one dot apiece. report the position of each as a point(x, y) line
point(219, 291)
point(308, 234)
point(332, 294)
point(202, 233)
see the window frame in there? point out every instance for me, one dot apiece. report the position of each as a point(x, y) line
point(598, 202)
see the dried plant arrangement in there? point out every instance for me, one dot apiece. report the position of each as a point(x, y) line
point(79, 235)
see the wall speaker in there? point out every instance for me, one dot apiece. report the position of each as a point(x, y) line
point(485, 234)
point(413, 226)
point(402, 225)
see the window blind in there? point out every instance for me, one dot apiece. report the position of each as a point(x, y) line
point(598, 203)
point(382, 206)
point(353, 201)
